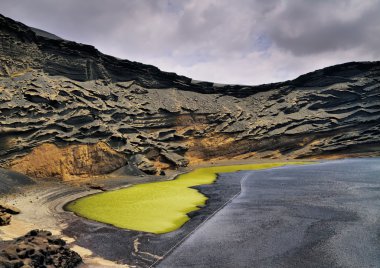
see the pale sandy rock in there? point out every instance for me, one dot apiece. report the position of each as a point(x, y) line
point(51, 161)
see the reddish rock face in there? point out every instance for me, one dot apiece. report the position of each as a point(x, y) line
point(70, 162)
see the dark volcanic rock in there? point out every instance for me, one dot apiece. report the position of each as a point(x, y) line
point(144, 164)
point(96, 186)
point(9, 209)
point(38, 249)
point(62, 92)
point(5, 218)
point(6, 212)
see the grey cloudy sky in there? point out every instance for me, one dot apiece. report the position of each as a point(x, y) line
point(226, 41)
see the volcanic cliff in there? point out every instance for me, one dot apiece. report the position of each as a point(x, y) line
point(68, 110)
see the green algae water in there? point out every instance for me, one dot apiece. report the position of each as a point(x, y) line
point(157, 207)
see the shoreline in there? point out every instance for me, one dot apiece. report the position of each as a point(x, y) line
point(148, 252)
point(65, 223)
point(50, 197)
point(186, 181)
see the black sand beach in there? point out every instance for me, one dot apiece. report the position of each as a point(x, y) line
point(323, 215)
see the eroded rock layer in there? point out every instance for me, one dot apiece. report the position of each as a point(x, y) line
point(68, 163)
point(54, 91)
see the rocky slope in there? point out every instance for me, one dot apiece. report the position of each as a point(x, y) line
point(54, 91)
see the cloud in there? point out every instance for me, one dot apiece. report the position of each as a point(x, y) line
point(245, 41)
point(312, 27)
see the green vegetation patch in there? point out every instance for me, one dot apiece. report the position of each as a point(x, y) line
point(157, 207)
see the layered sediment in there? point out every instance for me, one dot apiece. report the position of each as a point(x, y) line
point(59, 100)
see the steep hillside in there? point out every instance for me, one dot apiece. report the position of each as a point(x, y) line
point(69, 100)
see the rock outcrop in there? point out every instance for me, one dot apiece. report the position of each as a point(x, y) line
point(70, 162)
point(54, 91)
point(5, 218)
point(6, 208)
point(6, 212)
point(38, 249)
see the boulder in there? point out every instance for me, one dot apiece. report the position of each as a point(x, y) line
point(5, 218)
point(96, 186)
point(39, 248)
point(9, 209)
point(145, 165)
point(5, 213)
point(176, 159)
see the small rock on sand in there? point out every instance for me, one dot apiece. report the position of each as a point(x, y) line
point(5, 218)
point(9, 209)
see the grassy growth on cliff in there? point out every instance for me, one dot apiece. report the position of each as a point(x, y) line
point(157, 207)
